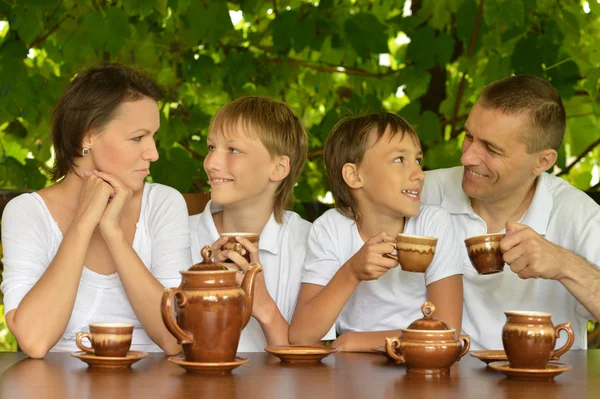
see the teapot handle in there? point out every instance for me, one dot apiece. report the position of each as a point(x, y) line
point(166, 307)
point(466, 345)
point(391, 344)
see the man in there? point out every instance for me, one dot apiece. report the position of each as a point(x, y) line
point(552, 241)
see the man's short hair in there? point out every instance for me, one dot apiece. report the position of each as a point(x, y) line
point(347, 143)
point(278, 128)
point(536, 97)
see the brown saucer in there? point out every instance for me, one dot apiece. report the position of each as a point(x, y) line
point(110, 362)
point(300, 353)
point(552, 370)
point(381, 350)
point(488, 356)
point(208, 368)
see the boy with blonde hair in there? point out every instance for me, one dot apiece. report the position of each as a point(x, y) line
point(257, 149)
point(348, 285)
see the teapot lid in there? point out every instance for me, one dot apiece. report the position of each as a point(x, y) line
point(207, 265)
point(428, 322)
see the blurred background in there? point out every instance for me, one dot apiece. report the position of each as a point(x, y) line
point(423, 59)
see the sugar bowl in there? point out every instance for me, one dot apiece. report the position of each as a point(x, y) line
point(428, 345)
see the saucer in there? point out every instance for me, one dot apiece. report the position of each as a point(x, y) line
point(207, 368)
point(552, 370)
point(110, 362)
point(300, 353)
point(381, 350)
point(489, 356)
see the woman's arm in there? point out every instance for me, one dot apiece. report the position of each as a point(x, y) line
point(362, 341)
point(44, 312)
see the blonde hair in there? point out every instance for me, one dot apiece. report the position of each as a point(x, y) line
point(278, 128)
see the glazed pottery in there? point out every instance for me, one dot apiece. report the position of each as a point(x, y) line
point(107, 339)
point(414, 253)
point(428, 345)
point(211, 310)
point(485, 254)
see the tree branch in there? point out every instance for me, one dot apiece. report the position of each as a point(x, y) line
point(191, 151)
point(579, 158)
point(315, 154)
point(330, 68)
point(40, 40)
point(593, 188)
point(461, 86)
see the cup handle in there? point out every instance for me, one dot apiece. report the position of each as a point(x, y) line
point(391, 345)
point(466, 345)
point(80, 344)
point(166, 307)
point(391, 256)
point(570, 339)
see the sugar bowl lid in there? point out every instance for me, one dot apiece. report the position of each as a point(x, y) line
point(428, 322)
point(207, 265)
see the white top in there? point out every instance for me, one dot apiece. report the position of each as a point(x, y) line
point(565, 215)
point(395, 299)
point(31, 237)
point(281, 250)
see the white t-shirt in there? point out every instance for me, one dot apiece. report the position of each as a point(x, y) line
point(394, 300)
point(563, 214)
point(281, 250)
point(31, 238)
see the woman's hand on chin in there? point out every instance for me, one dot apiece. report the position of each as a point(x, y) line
point(94, 196)
point(110, 223)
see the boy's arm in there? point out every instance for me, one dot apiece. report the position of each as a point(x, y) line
point(354, 341)
point(265, 311)
point(447, 297)
point(318, 307)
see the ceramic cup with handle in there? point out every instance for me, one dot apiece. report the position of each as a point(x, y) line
point(529, 339)
point(107, 339)
point(485, 254)
point(233, 245)
point(413, 253)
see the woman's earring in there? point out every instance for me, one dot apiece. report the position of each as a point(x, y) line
point(86, 150)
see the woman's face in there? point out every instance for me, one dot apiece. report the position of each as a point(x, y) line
point(125, 146)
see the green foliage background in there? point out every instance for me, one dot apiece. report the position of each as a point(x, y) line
point(321, 57)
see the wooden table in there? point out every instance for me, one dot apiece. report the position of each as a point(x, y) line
point(343, 375)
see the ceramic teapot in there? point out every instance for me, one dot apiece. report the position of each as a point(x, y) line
point(211, 310)
point(428, 345)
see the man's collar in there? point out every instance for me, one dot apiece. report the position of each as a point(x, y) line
point(269, 237)
point(536, 216)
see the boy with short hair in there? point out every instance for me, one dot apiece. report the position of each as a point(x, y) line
point(374, 166)
point(257, 149)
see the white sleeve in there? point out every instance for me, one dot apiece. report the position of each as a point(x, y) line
point(322, 260)
point(25, 247)
point(447, 259)
point(170, 234)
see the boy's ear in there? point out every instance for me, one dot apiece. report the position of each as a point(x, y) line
point(282, 168)
point(546, 160)
point(351, 175)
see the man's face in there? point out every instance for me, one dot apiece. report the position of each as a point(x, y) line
point(494, 155)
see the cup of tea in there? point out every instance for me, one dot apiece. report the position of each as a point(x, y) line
point(413, 253)
point(233, 245)
point(485, 254)
point(529, 339)
point(107, 339)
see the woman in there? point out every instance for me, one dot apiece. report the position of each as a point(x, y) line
point(99, 244)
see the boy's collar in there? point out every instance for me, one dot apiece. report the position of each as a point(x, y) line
point(269, 237)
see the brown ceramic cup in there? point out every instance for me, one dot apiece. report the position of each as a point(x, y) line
point(413, 253)
point(107, 339)
point(233, 245)
point(485, 254)
point(529, 339)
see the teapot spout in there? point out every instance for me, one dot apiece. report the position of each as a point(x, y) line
point(248, 288)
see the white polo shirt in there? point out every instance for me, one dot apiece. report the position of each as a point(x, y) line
point(563, 214)
point(394, 300)
point(281, 249)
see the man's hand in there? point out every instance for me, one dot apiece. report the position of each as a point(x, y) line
point(530, 255)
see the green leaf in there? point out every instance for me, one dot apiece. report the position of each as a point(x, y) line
point(526, 58)
point(591, 84)
point(282, 35)
point(444, 46)
point(35, 180)
point(175, 168)
point(498, 13)
point(209, 23)
point(117, 31)
point(141, 7)
point(366, 34)
point(429, 127)
point(422, 39)
point(16, 129)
